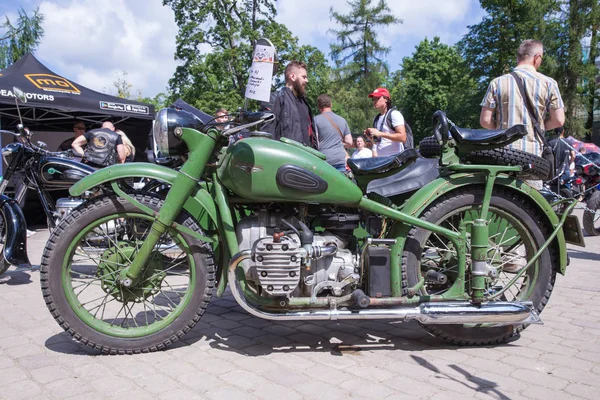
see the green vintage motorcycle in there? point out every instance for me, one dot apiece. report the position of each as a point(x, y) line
point(469, 251)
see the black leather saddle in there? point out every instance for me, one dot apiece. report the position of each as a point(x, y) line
point(379, 165)
point(415, 176)
point(486, 136)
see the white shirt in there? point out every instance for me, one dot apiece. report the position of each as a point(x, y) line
point(364, 153)
point(386, 147)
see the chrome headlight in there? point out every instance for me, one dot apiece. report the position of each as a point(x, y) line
point(165, 122)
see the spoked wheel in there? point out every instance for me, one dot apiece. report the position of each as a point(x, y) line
point(591, 216)
point(81, 285)
point(515, 234)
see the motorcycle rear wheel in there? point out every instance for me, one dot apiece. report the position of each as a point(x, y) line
point(79, 278)
point(591, 221)
point(516, 233)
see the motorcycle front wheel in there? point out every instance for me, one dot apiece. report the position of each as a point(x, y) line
point(516, 232)
point(80, 277)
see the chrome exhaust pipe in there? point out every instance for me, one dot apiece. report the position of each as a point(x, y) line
point(495, 313)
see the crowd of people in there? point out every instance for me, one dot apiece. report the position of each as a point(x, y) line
point(329, 132)
point(523, 96)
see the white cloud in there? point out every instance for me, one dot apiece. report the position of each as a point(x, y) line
point(448, 19)
point(93, 41)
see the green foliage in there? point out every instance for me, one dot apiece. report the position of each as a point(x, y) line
point(230, 28)
point(357, 50)
point(591, 71)
point(159, 101)
point(360, 58)
point(490, 47)
point(20, 38)
point(576, 18)
point(435, 78)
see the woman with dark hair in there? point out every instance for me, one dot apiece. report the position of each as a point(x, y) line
point(388, 132)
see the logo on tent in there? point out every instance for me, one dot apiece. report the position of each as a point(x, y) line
point(52, 83)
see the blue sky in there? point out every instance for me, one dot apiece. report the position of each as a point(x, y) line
point(93, 41)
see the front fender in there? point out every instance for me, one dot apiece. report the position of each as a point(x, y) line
point(15, 246)
point(120, 171)
point(427, 194)
point(200, 205)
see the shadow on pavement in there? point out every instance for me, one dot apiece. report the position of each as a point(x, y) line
point(584, 255)
point(65, 344)
point(474, 383)
point(227, 327)
point(18, 276)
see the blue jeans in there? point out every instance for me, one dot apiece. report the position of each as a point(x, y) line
point(340, 167)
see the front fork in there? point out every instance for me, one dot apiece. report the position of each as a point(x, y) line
point(182, 188)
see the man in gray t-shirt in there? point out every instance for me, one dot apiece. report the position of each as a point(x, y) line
point(332, 128)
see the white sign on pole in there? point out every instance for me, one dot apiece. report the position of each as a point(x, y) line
point(261, 73)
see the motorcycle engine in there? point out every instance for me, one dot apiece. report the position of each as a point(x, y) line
point(281, 266)
point(64, 206)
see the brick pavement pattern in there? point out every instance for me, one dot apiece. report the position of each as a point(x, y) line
point(232, 355)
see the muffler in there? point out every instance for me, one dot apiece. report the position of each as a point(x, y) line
point(435, 313)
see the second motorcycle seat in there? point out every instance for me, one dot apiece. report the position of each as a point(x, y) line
point(379, 165)
point(485, 136)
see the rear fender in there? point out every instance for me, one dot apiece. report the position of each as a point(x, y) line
point(419, 201)
point(15, 247)
point(200, 204)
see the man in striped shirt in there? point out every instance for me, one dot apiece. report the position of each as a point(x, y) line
point(503, 106)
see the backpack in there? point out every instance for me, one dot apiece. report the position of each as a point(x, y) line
point(410, 143)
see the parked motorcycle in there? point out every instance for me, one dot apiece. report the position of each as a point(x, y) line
point(583, 186)
point(467, 250)
point(35, 168)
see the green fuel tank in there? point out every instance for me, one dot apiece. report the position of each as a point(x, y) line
point(263, 169)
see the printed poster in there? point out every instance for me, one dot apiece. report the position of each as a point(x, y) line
point(261, 73)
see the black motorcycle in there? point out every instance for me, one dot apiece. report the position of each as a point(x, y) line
point(33, 167)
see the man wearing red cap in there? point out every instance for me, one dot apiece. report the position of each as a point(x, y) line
point(388, 133)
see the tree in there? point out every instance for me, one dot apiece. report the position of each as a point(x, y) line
point(125, 90)
point(576, 19)
point(435, 77)
point(591, 71)
point(490, 47)
point(215, 79)
point(359, 56)
point(20, 38)
point(357, 51)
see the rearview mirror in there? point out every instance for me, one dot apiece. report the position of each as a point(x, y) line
point(20, 94)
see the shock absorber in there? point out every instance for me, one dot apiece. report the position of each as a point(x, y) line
point(479, 249)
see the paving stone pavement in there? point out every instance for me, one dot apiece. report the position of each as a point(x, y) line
point(232, 355)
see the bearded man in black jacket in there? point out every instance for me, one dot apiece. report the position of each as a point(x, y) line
point(293, 116)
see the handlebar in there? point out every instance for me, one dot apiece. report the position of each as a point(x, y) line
point(440, 126)
point(249, 119)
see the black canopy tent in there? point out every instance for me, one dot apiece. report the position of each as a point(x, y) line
point(54, 103)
